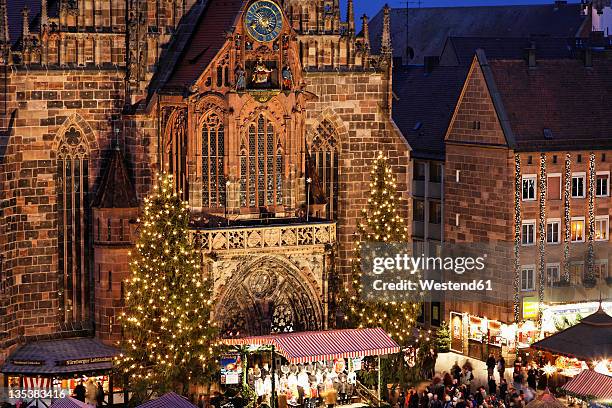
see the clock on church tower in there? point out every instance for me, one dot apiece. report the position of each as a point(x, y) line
point(264, 20)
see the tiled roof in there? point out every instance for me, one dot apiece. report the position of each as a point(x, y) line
point(170, 400)
point(463, 48)
point(68, 402)
point(571, 100)
point(206, 40)
point(430, 26)
point(116, 190)
point(50, 352)
point(424, 106)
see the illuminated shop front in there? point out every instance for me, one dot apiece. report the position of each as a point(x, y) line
point(41, 371)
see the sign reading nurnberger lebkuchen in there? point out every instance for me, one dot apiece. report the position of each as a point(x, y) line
point(89, 360)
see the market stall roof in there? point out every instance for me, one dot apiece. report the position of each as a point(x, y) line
point(587, 340)
point(68, 402)
point(61, 356)
point(545, 400)
point(591, 385)
point(170, 400)
point(305, 347)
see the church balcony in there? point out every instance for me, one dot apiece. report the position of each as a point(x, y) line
point(274, 233)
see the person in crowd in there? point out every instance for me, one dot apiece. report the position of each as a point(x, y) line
point(414, 399)
point(480, 396)
point(501, 366)
point(79, 392)
point(492, 385)
point(467, 378)
point(490, 364)
point(90, 392)
point(447, 402)
point(401, 400)
point(503, 388)
point(532, 377)
point(448, 380)
point(456, 371)
point(100, 395)
point(435, 402)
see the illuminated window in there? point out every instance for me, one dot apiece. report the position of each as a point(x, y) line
point(325, 154)
point(261, 165)
point(213, 150)
point(577, 229)
point(601, 228)
point(72, 222)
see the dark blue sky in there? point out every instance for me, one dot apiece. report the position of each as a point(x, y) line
point(371, 7)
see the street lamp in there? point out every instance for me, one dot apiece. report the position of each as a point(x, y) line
point(227, 184)
point(308, 181)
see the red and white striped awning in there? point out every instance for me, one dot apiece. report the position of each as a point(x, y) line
point(590, 385)
point(307, 347)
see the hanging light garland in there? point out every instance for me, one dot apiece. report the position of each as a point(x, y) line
point(590, 278)
point(567, 193)
point(517, 236)
point(542, 238)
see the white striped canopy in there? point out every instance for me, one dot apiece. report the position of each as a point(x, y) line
point(590, 384)
point(308, 347)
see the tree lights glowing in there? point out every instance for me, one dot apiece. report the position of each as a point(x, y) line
point(169, 337)
point(380, 223)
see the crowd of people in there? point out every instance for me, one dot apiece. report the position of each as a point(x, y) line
point(457, 387)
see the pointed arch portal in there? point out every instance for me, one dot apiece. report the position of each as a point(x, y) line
point(268, 296)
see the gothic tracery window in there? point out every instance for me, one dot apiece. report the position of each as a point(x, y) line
point(261, 165)
point(213, 150)
point(324, 151)
point(73, 226)
point(176, 150)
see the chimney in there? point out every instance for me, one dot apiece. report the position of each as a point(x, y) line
point(350, 18)
point(531, 55)
point(430, 63)
point(385, 49)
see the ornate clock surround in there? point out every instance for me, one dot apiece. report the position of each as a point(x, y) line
point(263, 21)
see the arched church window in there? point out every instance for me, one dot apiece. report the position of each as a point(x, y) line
point(213, 151)
point(176, 150)
point(73, 225)
point(324, 152)
point(261, 165)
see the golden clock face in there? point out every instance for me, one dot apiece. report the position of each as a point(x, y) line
point(264, 20)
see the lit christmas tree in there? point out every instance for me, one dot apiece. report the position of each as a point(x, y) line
point(381, 223)
point(169, 338)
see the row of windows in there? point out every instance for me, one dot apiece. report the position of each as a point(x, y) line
point(262, 164)
point(553, 274)
point(554, 188)
point(553, 230)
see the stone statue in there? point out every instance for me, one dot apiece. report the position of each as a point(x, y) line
point(240, 78)
point(287, 77)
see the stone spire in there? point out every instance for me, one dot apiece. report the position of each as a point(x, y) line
point(5, 40)
point(385, 48)
point(25, 15)
point(44, 19)
point(350, 17)
point(366, 32)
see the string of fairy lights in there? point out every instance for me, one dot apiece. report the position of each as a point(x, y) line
point(380, 223)
point(567, 193)
point(168, 331)
point(517, 237)
point(590, 261)
point(542, 238)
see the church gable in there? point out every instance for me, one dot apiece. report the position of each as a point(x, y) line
point(476, 120)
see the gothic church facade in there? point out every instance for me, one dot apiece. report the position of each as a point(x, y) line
point(267, 113)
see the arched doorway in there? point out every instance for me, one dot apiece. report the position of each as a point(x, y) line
point(266, 296)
